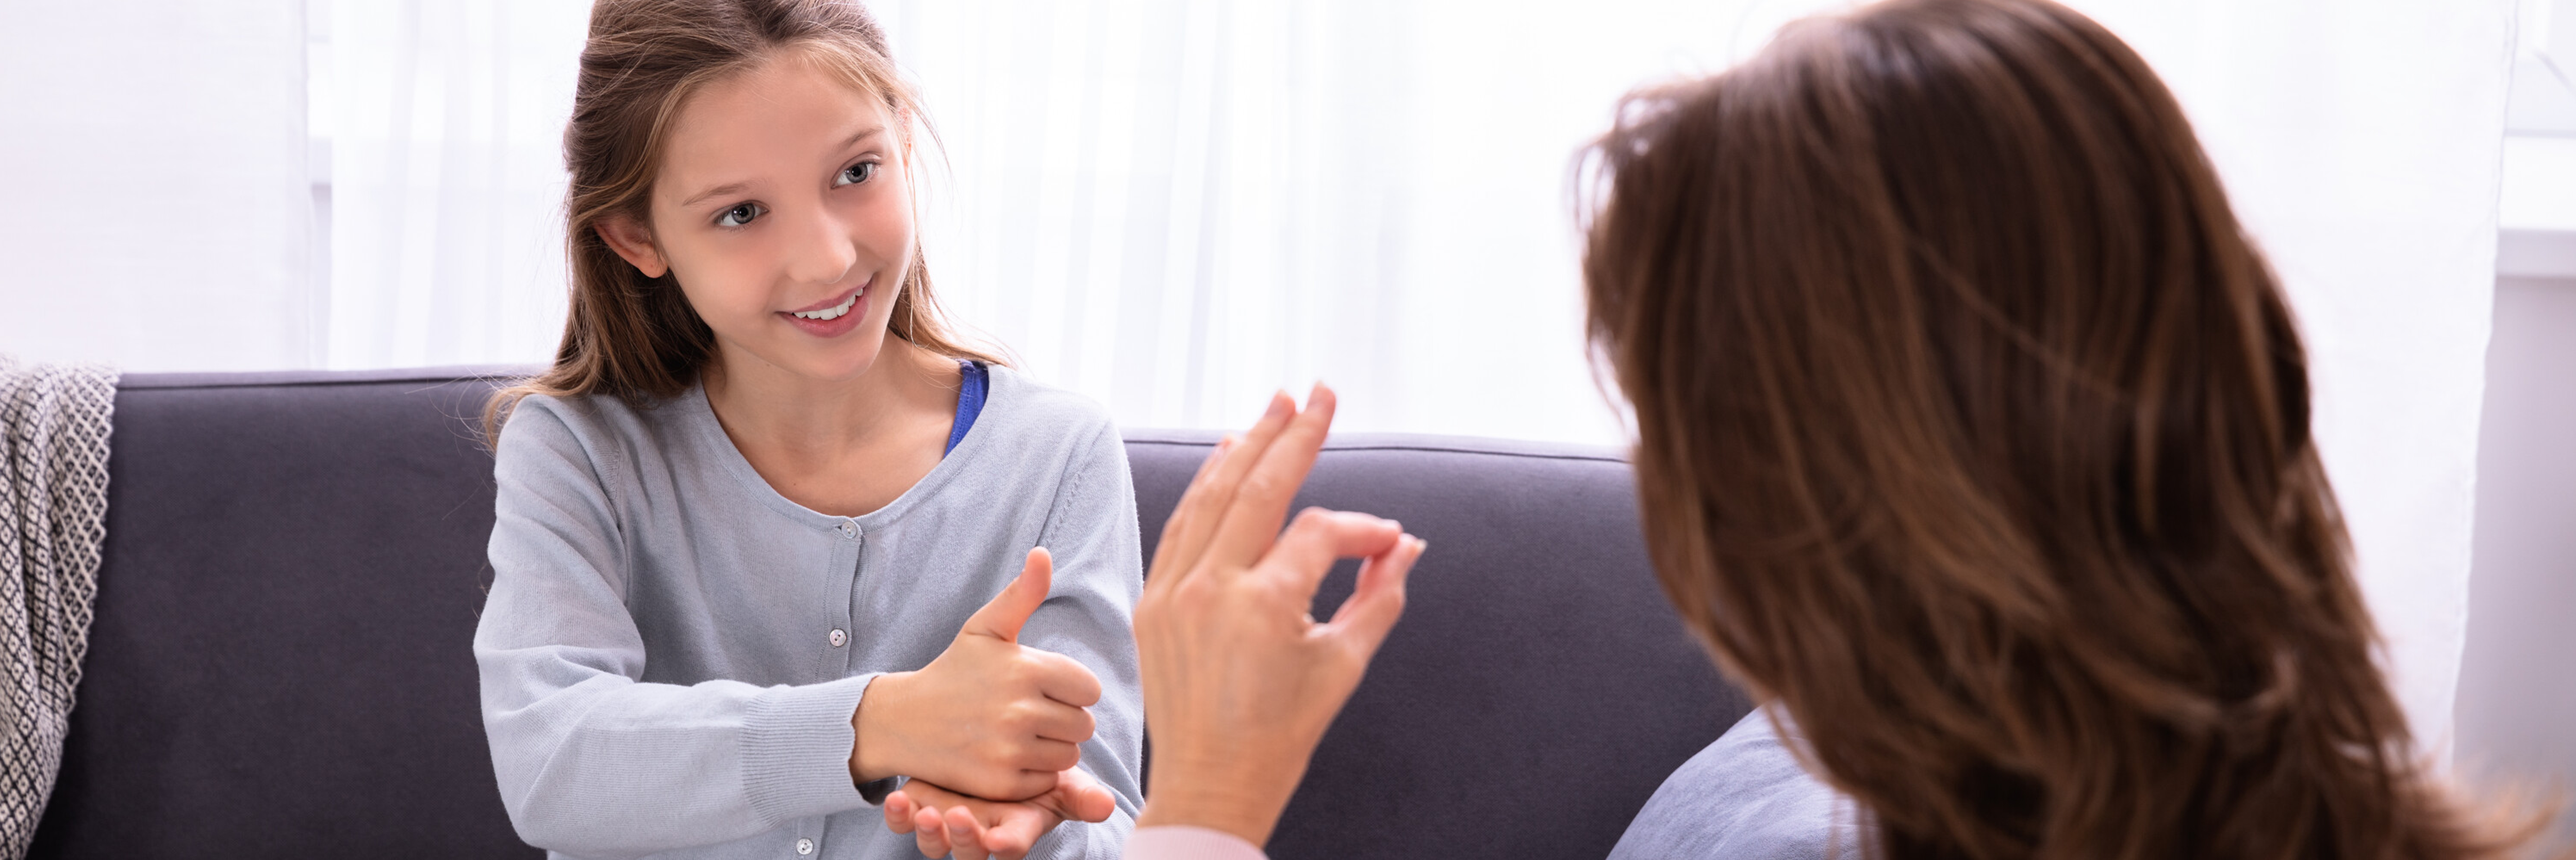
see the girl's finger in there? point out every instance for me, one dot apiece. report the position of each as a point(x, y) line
point(1205, 504)
point(1083, 798)
point(1011, 837)
point(929, 832)
point(1057, 720)
point(1044, 757)
point(965, 835)
point(1064, 679)
point(1002, 617)
point(898, 812)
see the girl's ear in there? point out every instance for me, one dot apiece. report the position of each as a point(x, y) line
point(633, 242)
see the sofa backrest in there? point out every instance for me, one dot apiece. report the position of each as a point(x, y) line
point(280, 661)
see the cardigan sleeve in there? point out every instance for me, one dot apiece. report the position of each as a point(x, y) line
point(590, 759)
point(1099, 572)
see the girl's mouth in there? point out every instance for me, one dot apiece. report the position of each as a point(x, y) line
point(832, 319)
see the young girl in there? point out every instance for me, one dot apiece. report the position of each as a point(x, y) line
point(749, 522)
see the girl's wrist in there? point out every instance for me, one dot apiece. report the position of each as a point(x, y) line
point(873, 756)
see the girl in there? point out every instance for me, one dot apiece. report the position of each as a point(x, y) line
point(746, 522)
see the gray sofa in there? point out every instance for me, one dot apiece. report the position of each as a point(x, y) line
point(280, 662)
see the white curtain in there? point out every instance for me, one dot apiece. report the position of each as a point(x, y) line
point(155, 211)
point(443, 121)
point(1175, 206)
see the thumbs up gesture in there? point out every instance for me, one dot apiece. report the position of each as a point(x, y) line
point(990, 717)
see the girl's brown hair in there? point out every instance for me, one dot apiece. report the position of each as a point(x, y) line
point(1973, 430)
point(633, 337)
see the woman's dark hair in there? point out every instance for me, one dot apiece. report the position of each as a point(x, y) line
point(1974, 433)
point(633, 337)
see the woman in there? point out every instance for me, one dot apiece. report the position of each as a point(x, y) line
point(1973, 436)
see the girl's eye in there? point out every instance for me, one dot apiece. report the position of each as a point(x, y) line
point(740, 215)
point(856, 173)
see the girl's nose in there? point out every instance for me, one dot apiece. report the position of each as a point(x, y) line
point(822, 252)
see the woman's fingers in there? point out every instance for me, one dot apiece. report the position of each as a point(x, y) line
point(1182, 513)
point(1261, 500)
point(1307, 550)
point(1377, 601)
point(1205, 504)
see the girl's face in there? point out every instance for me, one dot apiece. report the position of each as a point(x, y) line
point(782, 208)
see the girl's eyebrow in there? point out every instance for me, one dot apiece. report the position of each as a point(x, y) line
point(739, 187)
point(865, 133)
point(727, 188)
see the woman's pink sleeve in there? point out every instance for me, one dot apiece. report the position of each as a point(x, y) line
point(1189, 843)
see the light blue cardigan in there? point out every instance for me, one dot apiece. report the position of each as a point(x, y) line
point(660, 668)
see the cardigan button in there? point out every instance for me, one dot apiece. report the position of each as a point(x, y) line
point(839, 638)
point(804, 846)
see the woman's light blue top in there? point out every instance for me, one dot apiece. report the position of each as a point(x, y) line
point(672, 651)
point(1744, 797)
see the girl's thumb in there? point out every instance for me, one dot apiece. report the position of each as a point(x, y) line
point(1002, 618)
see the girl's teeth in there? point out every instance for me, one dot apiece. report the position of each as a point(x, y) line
point(833, 312)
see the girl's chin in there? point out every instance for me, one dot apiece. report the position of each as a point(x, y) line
point(838, 359)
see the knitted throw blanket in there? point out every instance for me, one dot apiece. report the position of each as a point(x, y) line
point(53, 518)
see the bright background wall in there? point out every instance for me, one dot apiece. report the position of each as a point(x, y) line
point(1175, 206)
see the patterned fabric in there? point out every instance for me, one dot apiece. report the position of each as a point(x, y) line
point(53, 517)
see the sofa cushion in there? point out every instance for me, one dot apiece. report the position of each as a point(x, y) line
point(281, 666)
point(280, 663)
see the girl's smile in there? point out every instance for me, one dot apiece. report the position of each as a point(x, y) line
point(834, 316)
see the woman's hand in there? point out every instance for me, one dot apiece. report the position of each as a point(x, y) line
point(990, 717)
point(1240, 681)
point(944, 822)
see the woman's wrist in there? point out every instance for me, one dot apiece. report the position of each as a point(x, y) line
point(1230, 795)
point(872, 757)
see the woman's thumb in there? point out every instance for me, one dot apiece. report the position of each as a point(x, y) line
point(1002, 618)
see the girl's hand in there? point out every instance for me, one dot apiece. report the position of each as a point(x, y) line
point(989, 717)
point(944, 822)
point(1240, 682)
